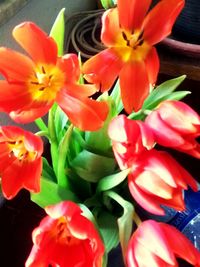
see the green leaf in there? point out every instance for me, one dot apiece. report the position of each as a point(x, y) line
point(51, 194)
point(112, 180)
point(92, 167)
point(47, 170)
point(108, 228)
point(104, 142)
point(108, 3)
point(58, 30)
point(161, 92)
point(116, 96)
point(125, 222)
point(178, 95)
point(60, 123)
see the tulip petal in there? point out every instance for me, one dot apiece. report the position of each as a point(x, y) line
point(83, 90)
point(151, 183)
point(134, 85)
point(29, 115)
point(79, 109)
point(157, 26)
point(176, 202)
point(132, 13)
point(61, 209)
point(166, 137)
point(147, 258)
point(151, 233)
point(36, 43)
point(148, 202)
point(13, 96)
point(179, 116)
point(69, 64)
point(11, 180)
point(15, 66)
point(111, 32)
point(181, 246)
point(152, 65)
point(103, 68)
point(162, 164)
point(32, 173)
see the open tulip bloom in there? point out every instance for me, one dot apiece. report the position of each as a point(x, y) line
point(108, 127)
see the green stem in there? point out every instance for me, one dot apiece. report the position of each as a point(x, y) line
point(43, 133)
point(136, 219)
point(53, 140)
point(62, 155)
point(41, 125)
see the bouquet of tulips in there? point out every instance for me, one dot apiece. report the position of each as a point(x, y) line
point(108, 125)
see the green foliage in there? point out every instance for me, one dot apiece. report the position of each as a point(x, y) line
point(108, 228)
point(51, 193)
point(58, 30)
point(112, 180)
point(92, 167)
point(108, 3)
point(165, 91)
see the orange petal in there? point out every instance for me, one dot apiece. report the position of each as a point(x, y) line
point(152, 65)
point(111, 32)
point(84, 113)
point(13, 96)
point(159, 21)
point(134, 85)
point(81, 90)
point(69, 64)
point(132, 12)
point(11, 180)
point(103, 68)
point(15, 66)
point(31, 175)
point(29, 115)
point(37, 44)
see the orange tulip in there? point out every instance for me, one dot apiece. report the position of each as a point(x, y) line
point(66, 238)
point(129, 35)
point(20, 160)
point(33, 84)
point(158, 244)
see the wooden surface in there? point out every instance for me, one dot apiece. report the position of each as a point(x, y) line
point(176, 63)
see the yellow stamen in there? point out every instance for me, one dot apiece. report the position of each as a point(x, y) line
point(46, 82)
point(19, 150)
point(132, 46)
point(63, 234)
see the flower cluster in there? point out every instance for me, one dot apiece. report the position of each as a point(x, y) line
point(108, 126)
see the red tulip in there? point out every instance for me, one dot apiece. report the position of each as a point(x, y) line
point(158, 244)
point(157, 179)
point(33, 84)
point(176, 125)
point(66, 238)
point(20, 160)
point(129, 139)
point(129, 35)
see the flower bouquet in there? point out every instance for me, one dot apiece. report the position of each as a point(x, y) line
point(108, 126)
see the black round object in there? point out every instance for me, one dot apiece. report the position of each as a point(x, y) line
point(187, 26)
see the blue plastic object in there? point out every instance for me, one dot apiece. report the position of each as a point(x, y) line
point(187, 221)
